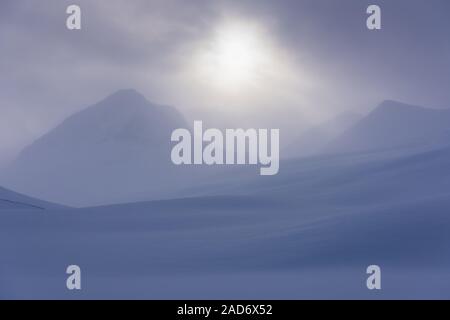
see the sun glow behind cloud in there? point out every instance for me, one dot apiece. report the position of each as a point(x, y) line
point(241, 66)
point(235, 58)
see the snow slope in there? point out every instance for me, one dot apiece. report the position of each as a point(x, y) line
point(10, 200)
point(309, 233)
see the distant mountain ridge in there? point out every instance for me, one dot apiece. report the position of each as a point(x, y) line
point(116, 150)
point(394, 125)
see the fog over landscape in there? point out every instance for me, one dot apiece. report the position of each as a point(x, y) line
point(87, 178)
point(305, 61)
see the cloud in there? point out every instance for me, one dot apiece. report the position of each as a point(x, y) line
point(48, 72)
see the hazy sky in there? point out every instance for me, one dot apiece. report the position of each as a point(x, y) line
point(272, 63)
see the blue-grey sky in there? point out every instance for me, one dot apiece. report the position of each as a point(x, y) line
point(307, 59)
